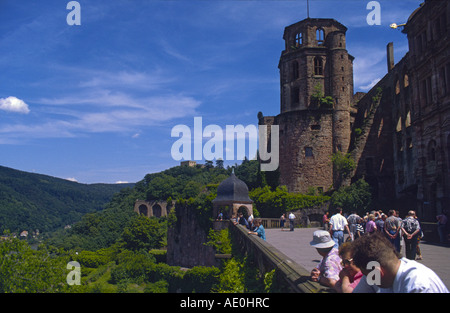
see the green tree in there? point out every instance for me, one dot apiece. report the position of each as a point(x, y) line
point(132, 266)
point(200, 279)
point(273, 203)
point(356, 197)
point(219, 163)
point(143, 233)
point(191, 190)
point(24, 270)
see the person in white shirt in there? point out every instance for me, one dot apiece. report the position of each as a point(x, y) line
point(291, 221)
point(385, 272)
point(338, 223)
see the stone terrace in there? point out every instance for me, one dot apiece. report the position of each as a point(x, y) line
point(296, 246)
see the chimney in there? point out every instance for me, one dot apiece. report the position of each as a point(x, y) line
point(390, 56)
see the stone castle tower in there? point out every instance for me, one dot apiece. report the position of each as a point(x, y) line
point(316, 87)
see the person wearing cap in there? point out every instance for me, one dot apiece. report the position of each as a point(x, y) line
point(327, 271)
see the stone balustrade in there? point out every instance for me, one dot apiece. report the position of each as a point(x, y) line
point(267, 257)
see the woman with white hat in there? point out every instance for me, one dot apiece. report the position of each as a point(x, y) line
point(327, 272)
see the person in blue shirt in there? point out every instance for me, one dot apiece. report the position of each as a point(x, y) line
point(259, 229)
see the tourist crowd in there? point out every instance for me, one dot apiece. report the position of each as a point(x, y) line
point(369, 260)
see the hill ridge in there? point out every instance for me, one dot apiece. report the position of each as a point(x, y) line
point(30, 201)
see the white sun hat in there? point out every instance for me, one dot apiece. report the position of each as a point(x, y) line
point(322, 239)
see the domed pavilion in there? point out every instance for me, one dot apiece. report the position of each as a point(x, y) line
point(232, 197)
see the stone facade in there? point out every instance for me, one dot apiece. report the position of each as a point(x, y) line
point(315, 64)
point(186, 241)
point(155, 208)
point(406, 156)
point(429, 77)
point(398, 133)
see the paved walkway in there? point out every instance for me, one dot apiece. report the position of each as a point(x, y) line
point(296, 246)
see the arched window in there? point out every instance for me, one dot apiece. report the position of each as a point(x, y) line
point(156, 210)
point(143, 209)
point(320, 36)
point(318, 66)
point(406, 80)
point(397, 87)
point(298, 39)
point(399, 126)
point(408, 119)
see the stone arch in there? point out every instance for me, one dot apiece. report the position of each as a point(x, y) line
point(299, 39)
point(244, 210)
point(397, 85)
point(405, 79)
point(156, 210)
point(399, 125)
point(152, 208)
point(320, 36)
point(143, 209)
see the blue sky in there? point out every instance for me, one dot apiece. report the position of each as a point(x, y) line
point(96, 102)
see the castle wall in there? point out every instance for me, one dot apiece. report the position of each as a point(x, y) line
point(428, 31)
point(398, 133)
point(372, 145)
point(306, 149)
point(186, 241)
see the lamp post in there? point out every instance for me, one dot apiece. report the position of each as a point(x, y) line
point(395, 26)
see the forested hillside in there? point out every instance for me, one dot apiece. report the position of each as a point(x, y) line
point(121, 251)
point(101, 229)
point(33, 202)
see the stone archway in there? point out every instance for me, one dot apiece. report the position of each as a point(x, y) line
point(156, 210)
point(152, 208)
point(244, 210)
point(143, 209)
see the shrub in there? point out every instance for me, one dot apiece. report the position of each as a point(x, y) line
point(356, 197)
point(161, 286)
point(274, 203)
point(200, 279)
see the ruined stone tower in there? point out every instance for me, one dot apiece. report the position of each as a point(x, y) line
point(316, 88)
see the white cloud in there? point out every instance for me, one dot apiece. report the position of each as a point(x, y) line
point(72, 179)
point(370, 85)
point(13, 104)
point(111, 113)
